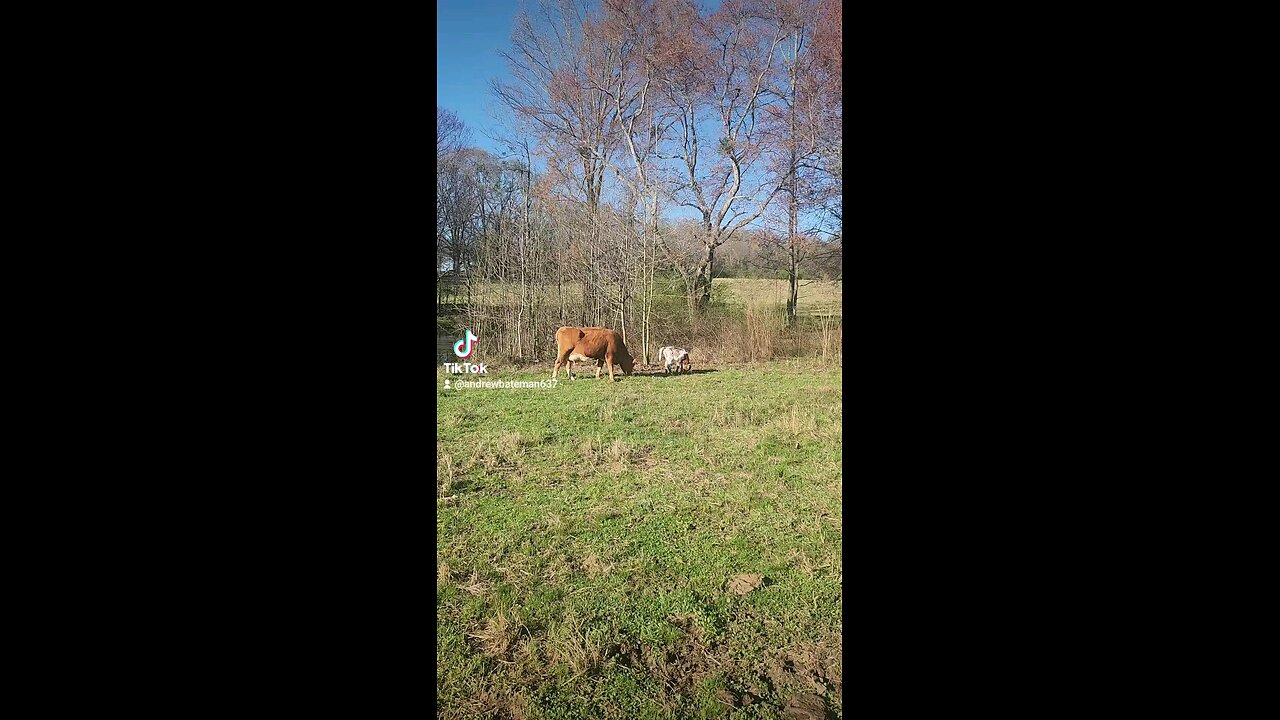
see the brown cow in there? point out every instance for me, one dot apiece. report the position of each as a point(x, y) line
point(585, 344)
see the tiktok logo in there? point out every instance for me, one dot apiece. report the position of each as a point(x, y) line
point(458, 348)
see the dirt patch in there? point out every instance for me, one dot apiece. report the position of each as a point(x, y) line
point(805, 707)
point(817, 666)
point(687, 624)
point(730, 698)
point(805, 679)
point(678, 665)
point(809, 670)
point(737, 698)
point(778, 677)
point(743, 584)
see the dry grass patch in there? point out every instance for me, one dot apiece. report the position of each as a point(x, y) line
point(591, 447)
point(797, 424)
point(510, 442)
point(445, 473)
point(579, 648)
point(499, 454)
point(474, 585)
point(619, 454)
point(817, 297)
point(594, 567)
point(498, 635)
point(558, 568)
point(605, 413)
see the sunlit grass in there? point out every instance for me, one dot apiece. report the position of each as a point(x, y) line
point(586, 534)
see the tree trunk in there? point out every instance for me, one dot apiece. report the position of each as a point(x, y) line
point(526, 242)
point(651, 253)
point(793, 192)
point(699, 282)
point(794, 294)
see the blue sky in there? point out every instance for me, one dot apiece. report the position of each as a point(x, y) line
point(469, 34)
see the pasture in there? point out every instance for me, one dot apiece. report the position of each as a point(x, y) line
point(816, 297)
point(660, 547)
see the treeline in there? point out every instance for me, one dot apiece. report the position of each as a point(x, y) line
point(621, 117)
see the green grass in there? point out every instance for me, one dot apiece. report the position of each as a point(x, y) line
point(589, 531)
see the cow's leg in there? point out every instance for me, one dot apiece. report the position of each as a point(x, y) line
point(599, 364)
point(560, 360)
point(570, 370)
point(608, 359)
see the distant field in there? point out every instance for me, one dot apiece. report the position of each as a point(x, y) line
point(815, 298)
point(659, 547)
point(818, 297)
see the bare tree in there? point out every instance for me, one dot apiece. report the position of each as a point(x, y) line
point(617, 115)
point(723, 87)
point(451, 133)
point(461, 198)
point(641, 40)
point(828, 68)
point(451, 136)
point(557, 66)
point(796, 125)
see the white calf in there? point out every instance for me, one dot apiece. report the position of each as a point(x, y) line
point(673, 358)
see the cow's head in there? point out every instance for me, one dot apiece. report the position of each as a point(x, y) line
point(627, 363)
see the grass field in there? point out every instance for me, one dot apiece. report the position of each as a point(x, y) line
point(659, 547)
point(815, 297)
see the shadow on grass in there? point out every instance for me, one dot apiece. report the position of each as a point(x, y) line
point(659, 373)
point(637, 374)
